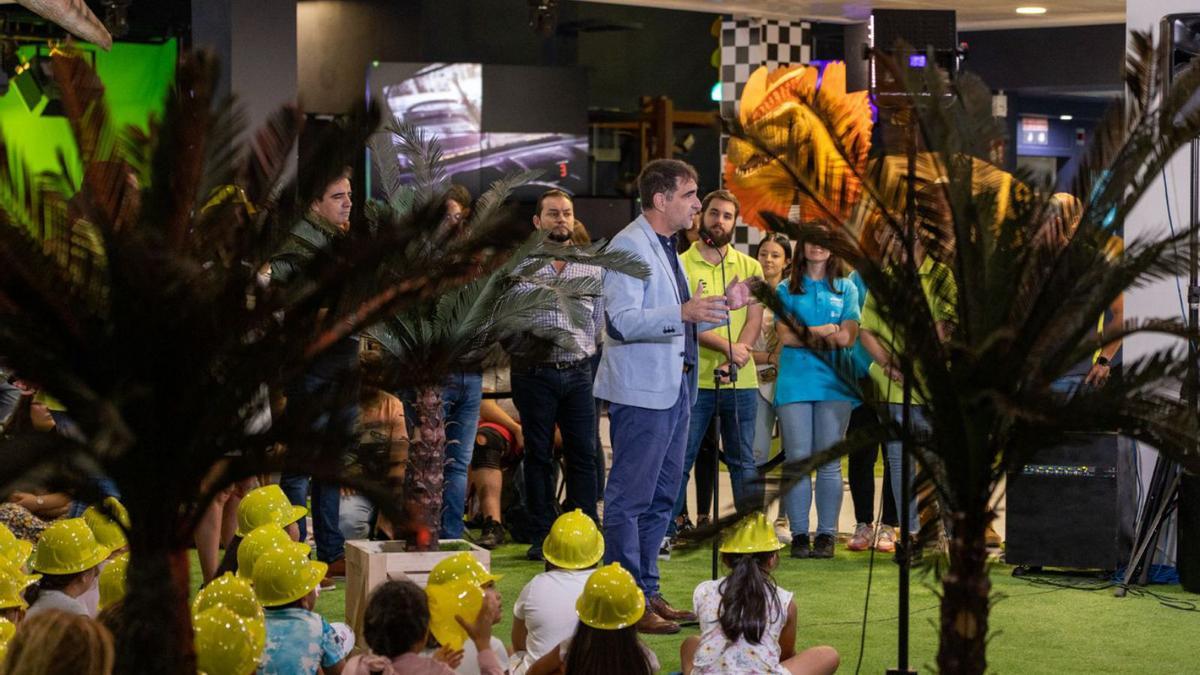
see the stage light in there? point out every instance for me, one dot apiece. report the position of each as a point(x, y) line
point(715, 92)
point(1031, 10)
point(1066, 118)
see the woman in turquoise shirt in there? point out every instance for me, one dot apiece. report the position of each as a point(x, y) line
point(815, 390)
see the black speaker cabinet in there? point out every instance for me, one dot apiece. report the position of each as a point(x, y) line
point(1187, 544)
point(1073, 506)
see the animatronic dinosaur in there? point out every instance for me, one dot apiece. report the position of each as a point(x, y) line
point(74, 16)
point(798, 116)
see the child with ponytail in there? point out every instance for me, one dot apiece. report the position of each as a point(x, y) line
point(747, 622)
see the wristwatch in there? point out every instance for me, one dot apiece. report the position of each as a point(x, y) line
point(1102, 361)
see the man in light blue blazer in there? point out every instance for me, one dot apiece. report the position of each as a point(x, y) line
point(648, 375)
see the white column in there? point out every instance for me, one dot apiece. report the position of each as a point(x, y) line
point(1150, 217)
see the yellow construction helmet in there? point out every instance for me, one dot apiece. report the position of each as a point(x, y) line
point(752, 534)
point(574, 542)
point(455, 598)
point(13, 549)
point(266, 504)
point(461, 567)
point(12, 590)
point(7, 630)
point(235, 593)
point(611, 599)
point(286, 575)
point(224, 645)
point(108, 533)
point(67, 547)
point(269, 537)
point(18, 573)
point(112, 580)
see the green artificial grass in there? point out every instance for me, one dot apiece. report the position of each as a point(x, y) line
point(1035, 628)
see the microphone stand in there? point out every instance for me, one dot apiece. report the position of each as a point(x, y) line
point(717, 374)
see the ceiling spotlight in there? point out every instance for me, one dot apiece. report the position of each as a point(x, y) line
point(543, 16)
point(1066, 118)
point(116, 17)
point(1031, 10)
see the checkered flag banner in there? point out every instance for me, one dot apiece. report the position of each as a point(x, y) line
point(746, 44)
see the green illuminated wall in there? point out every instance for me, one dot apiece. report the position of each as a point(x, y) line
point(135, 77)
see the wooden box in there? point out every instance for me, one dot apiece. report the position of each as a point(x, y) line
point(370, 563)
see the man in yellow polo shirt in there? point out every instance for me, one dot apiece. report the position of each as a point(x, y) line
point(712, 261)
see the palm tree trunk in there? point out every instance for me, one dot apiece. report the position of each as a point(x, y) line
point(426, 467)
point(156, 634)
point(965, 594)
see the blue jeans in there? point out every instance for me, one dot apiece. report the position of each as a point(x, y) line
point(894, 450)
point(738, 408)
point(809, 427)
point(546, 396)
point(1067, 385)
point(356, 515)
point(461, 397)
point(642, 485)
point(335, 424)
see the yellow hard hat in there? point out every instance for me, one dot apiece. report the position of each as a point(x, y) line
point(461, 566)
point(266, 504)
point(235, 593)
point(7, 630)
point(224, 645)
point(108, 533)
point(269, 537)
point(67, 547)
point(574, 542)
point(462, 598)
point(752, 534)
point(112, 580)
point(18, 573)
point(286, 575)
point(611, 599)
point(13, 549)
point(12, 588)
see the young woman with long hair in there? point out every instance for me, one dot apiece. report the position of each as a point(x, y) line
point(775, 256)
point(815, 389)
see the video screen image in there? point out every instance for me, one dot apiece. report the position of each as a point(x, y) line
point(446, 101)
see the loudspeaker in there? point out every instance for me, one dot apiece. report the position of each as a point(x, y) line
point(1187, 543)
point(1073, 506)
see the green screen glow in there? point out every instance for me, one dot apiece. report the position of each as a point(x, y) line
point(135, 77)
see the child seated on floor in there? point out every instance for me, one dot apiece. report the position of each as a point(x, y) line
point(261, 506)
point(605, 639)
point(544, 614)
point(396, 629)
point(747, 622)
point(464, 567)
point(68, 557)
point(299, 641)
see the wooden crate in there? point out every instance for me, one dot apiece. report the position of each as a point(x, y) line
point(370, 563)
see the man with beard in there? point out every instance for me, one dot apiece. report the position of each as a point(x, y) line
point(704, 261)
point(557, 389)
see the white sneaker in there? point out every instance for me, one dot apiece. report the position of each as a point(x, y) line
point(783, 532)
point(664, 551)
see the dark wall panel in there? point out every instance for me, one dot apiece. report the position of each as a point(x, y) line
point(1076, 57)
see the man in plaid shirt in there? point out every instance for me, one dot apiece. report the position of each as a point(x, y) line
point(558, 391)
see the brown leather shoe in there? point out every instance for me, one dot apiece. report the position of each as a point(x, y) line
point(337, 569)
point(654, 624)
point(659, 604)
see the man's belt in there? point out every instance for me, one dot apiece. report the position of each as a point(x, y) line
point(555, 365)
